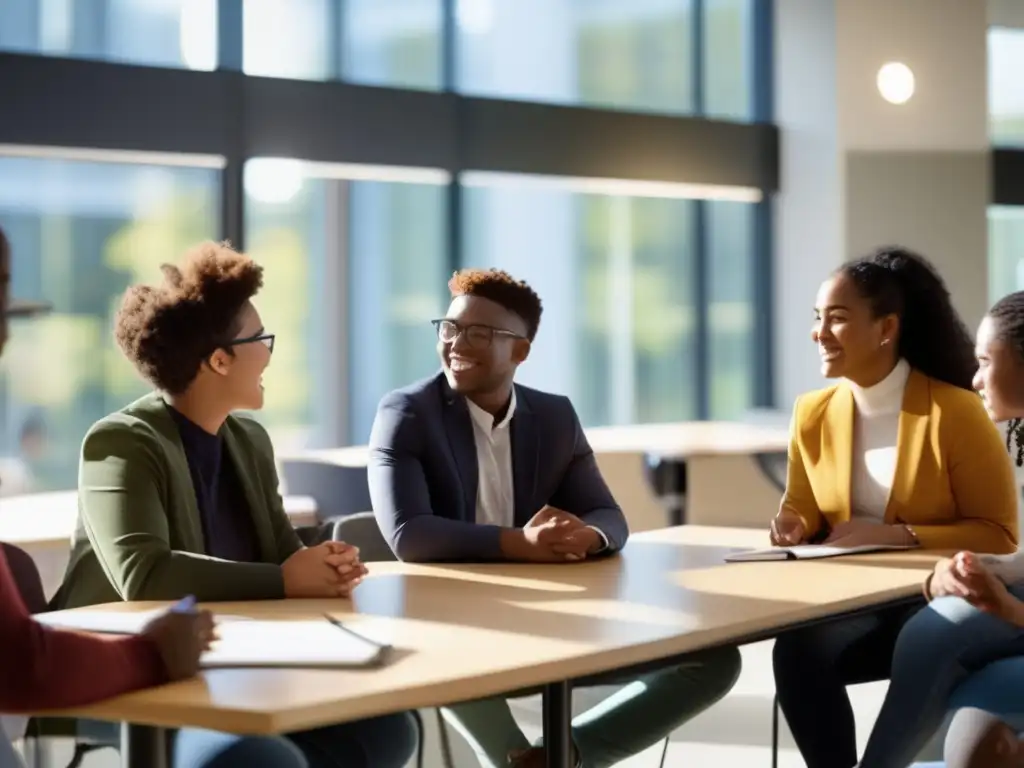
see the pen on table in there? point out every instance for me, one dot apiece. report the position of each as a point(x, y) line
point(186, 605)
point(353, 633)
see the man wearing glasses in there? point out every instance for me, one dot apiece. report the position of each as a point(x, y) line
point(468, 466)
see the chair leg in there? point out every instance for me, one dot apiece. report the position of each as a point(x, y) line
point(775, 731)
point(446, 745)
point(81, 750)
point(664, 752)
point(420, 738)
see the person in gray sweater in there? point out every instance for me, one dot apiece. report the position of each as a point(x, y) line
point(966, 649)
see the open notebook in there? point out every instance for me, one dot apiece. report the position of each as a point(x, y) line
point(807, 552)
point(249, 643)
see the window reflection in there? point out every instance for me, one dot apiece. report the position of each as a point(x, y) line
point(1005, 95)
point(634, 55)
point(359, 265)
point(286, 38)
point(616, 275)
point(1005, 250)
point(728, 59)
point(731, 302)
point(392, 42)
point(163, 33)
point(81, 232)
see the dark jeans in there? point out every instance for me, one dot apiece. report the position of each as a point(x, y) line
point(388, 741)
point(813, 666)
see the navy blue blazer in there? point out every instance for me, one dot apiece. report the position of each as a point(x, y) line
point(423, 472)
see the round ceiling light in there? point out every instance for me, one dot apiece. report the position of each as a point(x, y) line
point(895, 82)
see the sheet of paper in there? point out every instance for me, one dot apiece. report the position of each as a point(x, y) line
point(106, 622)
point(246, 642)
point(110, 622)
point(315, 643)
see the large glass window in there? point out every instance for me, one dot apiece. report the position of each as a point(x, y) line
point(166, 33)
point(286, 38)
point(731, 358)
point(1005, 250)
point(634, 55)
point(398, 283)
point(392, 42)
point(356, 263)
point(81, 232)
point(1005, 94)
point(375, 42)
point(617, 278)
point(728, 59)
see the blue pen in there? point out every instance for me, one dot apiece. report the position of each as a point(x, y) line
point(186, 605)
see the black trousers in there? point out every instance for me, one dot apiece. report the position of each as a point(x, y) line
point(813, 666)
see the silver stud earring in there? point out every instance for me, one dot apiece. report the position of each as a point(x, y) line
point(884, 342)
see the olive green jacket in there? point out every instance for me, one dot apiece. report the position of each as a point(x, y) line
point(139, 535)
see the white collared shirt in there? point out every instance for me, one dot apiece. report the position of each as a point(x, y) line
point(495, 489)
point(874, 442)
point(495, 494)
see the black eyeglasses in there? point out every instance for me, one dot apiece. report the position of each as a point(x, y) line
point(266, 339)
point(477, 336)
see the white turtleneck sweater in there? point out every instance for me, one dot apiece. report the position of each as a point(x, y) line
point(874, 443)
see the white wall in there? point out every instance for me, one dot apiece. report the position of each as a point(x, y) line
point(858, 172)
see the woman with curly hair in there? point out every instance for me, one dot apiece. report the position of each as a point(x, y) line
point(178, 495)
point(899, 452)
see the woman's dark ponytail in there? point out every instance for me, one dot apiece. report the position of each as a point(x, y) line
point(933, 338)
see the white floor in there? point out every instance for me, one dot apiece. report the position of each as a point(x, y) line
point(736, 732)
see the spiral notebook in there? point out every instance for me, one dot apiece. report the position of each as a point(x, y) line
point(244, 642)
point(808, 552)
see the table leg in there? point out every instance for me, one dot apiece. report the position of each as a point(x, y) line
point(558, 725)
point(143, 746)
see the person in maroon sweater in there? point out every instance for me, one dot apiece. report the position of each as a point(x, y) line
point(45, 668)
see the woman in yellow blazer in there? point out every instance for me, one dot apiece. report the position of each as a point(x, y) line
point(900, 451)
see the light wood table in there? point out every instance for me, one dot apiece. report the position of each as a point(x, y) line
point(467, 631)
point(686, 439)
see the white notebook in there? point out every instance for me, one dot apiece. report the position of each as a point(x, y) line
point(248, 643)
point(808, 552)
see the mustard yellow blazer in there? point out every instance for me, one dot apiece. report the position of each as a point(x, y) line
point(953, 482)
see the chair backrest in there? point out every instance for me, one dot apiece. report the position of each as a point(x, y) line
point(774, 466)
point(625, 473)
point(26, 576)
point(337, 489)
point(361, 530)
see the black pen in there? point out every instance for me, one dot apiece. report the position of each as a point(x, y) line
point(353, 633)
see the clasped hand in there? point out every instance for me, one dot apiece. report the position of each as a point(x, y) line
point(554, 535)
point(331, 569)
point(965, 576)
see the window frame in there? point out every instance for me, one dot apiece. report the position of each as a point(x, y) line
point(105, 105)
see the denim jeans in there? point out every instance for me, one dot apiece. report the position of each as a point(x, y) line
point(211, 749)
point(388, 741)
point(937, 653)
point(813, 665)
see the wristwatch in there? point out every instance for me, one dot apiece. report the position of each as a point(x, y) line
point(913, 535)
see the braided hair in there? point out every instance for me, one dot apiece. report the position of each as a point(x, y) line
point(1007, 316)
point(933, 338)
